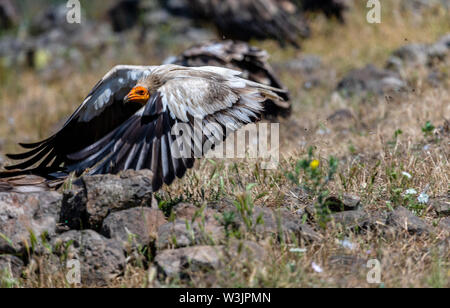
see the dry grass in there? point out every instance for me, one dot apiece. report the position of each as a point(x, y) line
point(365, 145)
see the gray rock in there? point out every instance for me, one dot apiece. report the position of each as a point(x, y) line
point(308, 64)
point(441, 249)
point(101, 195)
point(101, 259)
point(341, 115)
point(436, 78)
point(189, 212)
point(45, 264)
point(27, 184)
point(185, 261)
point(22, 213)
point(245, 251)
point(438, 51)
point(402, 219)
point(291, 225)
point(181, 262)
point(445, 40)
point(413, 56)
point(350, 219)
point(371, 80)
point(377, 220)
point(441, 206)
point(310, 69)
point(419, 5)
point(11, 266)
point(136, 227)
point(309, 234)
point(193, 226)
point(348, 203)
point(444, 225)
point(351, 202)
point(408, 56)
point(267, 222)
point(184, 233)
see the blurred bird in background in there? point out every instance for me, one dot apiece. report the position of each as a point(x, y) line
point(331, 8)
point(244, 20)
point(250, 60)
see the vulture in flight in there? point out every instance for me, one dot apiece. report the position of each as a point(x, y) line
point(251, 61)
point(244, 20)
point(126, 122)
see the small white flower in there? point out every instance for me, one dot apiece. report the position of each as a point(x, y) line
point(407, 175)
point(316, 268)
point(347, 244)
point(411, 191)
point(423, 198)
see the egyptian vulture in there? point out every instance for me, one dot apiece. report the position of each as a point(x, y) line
point(126, 122)
point(251, 61)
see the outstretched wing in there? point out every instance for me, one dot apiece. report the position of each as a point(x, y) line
point(251, 61)
point(101, 112)
point(214, 96)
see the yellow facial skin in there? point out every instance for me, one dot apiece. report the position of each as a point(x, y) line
point(139, 95)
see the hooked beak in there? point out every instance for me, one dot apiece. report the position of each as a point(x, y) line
point(139, 95)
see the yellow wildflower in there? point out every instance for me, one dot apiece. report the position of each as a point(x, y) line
point(314, 164)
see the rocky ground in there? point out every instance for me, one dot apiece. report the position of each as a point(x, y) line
point(110, 223)
point(372, 104)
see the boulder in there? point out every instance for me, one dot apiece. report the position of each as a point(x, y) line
point(100, 195)
point(181, 262)
point(136, 227)
point(444, 225)
point(183, 233)
point(403, 220)
point(441, 206)
point(371, 80)
point(269, 222)
point(101, 259)
point(407, 57)
point(10, 266)
point(350, 219)
point(21, 214)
